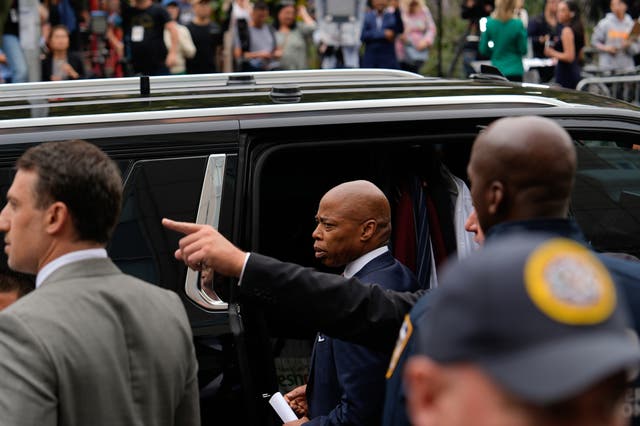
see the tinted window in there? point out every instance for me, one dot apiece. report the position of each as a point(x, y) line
point(155, 189)
point(606, 198)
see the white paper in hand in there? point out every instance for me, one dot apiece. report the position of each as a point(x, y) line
point(282, 408)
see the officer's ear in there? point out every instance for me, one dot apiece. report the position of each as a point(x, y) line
point(424, 384)
point(496, 196)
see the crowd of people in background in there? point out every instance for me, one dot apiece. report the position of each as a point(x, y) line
point(115, 38)
point(558, 34)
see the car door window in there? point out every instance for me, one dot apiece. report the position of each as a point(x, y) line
point(606, 196)
point(155, 189)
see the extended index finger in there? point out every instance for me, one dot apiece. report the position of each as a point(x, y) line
point(182, 227)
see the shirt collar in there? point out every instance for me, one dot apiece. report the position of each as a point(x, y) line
point(74, 256)
point(354, 267)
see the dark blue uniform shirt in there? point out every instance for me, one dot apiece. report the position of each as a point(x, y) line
point(625, 273)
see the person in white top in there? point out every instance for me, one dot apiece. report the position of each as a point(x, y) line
point(186, 48)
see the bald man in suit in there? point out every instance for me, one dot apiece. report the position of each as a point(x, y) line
point(346, 380)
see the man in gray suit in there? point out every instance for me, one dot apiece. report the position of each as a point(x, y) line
point(90, 346)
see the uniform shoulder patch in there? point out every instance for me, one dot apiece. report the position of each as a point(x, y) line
point(403, 338)
point(568, 283)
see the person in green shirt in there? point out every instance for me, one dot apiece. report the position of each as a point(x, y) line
point(505, 40)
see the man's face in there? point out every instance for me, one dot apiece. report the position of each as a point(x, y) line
point(618, 7)
point(337, 235)
point(173, 11)
point(478, 187)
point(202, 10)
point(23, 224)
point(463, 394)
point(459, 395)
point(259, 17)
point(472, 225)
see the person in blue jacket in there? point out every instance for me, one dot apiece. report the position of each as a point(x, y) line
point(379, 31)
point(346, 380)
point(528, 331)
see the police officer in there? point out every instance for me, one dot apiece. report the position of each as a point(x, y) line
point(528, 331)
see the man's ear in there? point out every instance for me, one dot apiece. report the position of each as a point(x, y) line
point(496, 195)
point(57, 217)
point(423, 382)
point(369, 228)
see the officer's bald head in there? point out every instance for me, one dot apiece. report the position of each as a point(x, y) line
point(521, 168)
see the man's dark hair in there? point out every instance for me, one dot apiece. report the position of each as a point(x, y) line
point(260, 5)
point(82, 177)
point(11, 280)
point(15, 281)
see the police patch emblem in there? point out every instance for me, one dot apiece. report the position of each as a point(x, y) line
point(403, 338)
point(569, 284)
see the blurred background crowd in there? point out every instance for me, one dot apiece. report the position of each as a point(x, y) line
point(559, 40)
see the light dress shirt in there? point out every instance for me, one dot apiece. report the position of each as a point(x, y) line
point(379, 22)
point(354, 267)
point(74, 256)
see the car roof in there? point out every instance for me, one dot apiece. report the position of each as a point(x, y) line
point(124, 99)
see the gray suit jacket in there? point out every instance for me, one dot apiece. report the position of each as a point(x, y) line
point(94, 346)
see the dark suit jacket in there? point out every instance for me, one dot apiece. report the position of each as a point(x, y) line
point(380, 52)
point(343, 308)
point(73, 59)
point(93, 346)
point(346, 384)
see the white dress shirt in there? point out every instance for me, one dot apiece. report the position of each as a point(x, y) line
point(354, 267)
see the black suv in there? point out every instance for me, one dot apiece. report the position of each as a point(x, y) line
point(252, 154)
